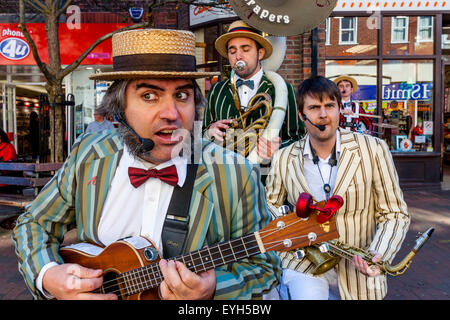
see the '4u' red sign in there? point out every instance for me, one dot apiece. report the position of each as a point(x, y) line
point(14, 49)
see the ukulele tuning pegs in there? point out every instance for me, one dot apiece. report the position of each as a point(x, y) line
point(287, 243)
point(312, 236)
point(281, 225)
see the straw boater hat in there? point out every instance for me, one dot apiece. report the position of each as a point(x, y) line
point(241, 29)
point(349, 79)
point(153, 53)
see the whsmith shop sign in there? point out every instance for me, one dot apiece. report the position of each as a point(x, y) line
point(397, 91)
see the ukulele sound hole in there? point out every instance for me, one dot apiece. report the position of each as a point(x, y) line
point(110, 284)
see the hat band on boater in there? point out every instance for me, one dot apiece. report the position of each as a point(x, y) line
point(245, 29)
point(155, 62)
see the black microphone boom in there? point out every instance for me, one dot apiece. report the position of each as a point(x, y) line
point(321, 127)
point(147, 144)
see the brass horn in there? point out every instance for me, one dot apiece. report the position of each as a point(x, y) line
point(240, 137)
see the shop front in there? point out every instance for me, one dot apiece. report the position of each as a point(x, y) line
point(394, 54)
point(22, 85)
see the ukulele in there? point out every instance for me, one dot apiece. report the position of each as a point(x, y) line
point(131, 270)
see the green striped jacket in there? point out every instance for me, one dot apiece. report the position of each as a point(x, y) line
point(228, 201)
point(221, 106)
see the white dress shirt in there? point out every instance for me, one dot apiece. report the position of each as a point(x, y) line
point(245, 93)
point(312, 174)
point(304, 286)
point(130, 211)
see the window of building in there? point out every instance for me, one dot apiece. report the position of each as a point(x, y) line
point(413, 35)
point(399, 29)
point(408, 105)
point(425, 29)
point(365, 73)
point(397, 93)
point(366, 33)
point(348, 30)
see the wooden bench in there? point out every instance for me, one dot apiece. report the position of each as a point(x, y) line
point(26, 175)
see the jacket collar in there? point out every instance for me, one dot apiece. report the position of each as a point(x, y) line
point(349, 161)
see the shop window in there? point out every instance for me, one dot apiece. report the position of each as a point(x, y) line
point(350, 36)
point(365, 73)
point(348, 30)
point(413, 35)
point(407, 105)
point(399, 27)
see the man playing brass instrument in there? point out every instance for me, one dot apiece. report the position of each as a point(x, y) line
point(243, 43)
point(359, 168)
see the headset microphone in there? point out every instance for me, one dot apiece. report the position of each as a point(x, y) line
point(147, 144)
point(321, 127)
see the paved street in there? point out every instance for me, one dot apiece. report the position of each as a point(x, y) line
point(428, 278)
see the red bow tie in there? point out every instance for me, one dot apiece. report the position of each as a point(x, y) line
point(139, 176)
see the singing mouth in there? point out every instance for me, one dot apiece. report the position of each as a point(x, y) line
point(169, 136)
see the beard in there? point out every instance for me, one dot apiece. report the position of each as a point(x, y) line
point(135, 147)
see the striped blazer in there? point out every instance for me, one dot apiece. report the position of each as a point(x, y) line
point(228, 201)
point(374, 215)
point(221, 106)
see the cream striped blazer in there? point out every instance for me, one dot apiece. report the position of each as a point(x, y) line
point(374, 215)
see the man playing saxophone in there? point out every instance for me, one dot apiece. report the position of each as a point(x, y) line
point(359, 168)
point(244, 45)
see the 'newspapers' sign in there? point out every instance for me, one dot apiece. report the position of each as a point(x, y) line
point(199, 14)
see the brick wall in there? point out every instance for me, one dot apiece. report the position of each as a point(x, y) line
point(297, 65)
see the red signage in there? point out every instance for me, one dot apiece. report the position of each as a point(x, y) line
point(15, 50)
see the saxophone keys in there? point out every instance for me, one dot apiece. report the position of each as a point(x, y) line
point(324, 248)
point(299, 254)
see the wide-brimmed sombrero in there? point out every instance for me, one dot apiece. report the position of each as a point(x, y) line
point(349, 79)
point(153, 53)
point(241, 29)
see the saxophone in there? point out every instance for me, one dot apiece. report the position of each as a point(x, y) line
point(327, 254)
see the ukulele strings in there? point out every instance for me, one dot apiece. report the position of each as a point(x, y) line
point(156, 273)
point(263, 234)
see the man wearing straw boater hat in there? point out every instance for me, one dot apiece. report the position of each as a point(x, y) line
point(351, 111)
point(244, 43)
point(139, 180)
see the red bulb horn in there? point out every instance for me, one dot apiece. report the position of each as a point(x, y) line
point(305, 207)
